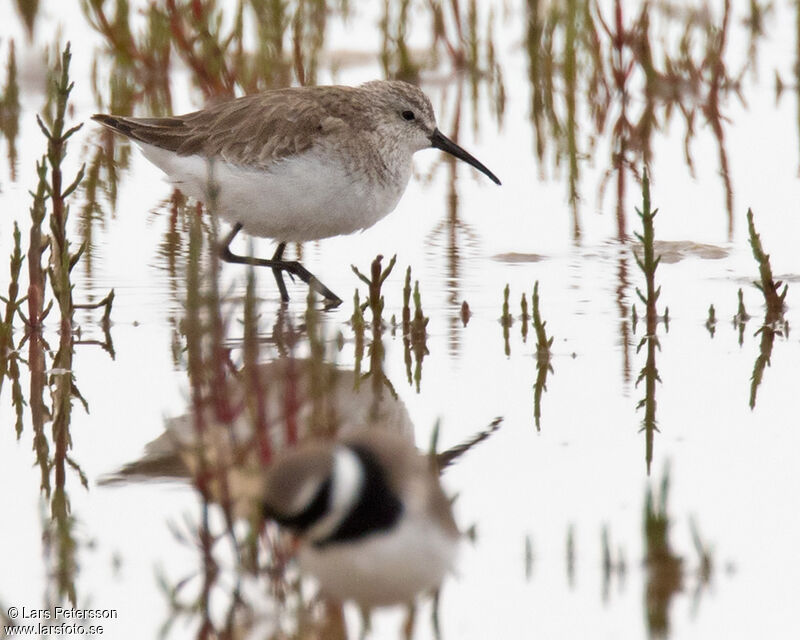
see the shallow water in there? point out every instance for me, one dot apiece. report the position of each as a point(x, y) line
point(536, 498)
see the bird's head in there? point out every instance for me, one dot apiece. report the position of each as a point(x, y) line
point(408, 114)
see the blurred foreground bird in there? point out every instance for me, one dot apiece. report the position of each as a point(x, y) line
point(375, 524)
point(372, 521)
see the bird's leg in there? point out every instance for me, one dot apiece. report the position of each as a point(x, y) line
point(278, 257)
point(278, 264)
point(295, 268)
point(225, 248)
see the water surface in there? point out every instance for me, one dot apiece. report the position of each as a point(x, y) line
point(670, 519)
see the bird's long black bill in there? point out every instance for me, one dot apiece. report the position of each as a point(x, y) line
point(441, 141)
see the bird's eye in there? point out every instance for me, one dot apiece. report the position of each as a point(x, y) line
point(407, 115)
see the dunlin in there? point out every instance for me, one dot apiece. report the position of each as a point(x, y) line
point(296, 164)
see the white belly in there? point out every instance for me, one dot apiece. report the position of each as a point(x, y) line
point(386, 568)
point(307, 197)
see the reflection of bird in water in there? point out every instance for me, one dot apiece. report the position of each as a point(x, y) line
point(372, 520)
point(311, 398)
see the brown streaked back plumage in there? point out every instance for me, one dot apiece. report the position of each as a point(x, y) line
point(256, 130)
